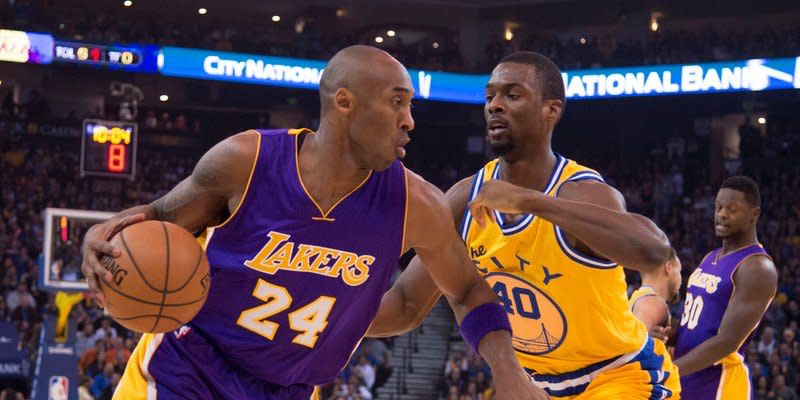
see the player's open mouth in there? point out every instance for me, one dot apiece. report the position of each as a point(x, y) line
point(496, 127)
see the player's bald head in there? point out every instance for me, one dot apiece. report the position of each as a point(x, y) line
point(358, 69)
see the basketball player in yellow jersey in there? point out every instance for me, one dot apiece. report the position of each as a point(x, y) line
point(659, 287)
point(549, 236)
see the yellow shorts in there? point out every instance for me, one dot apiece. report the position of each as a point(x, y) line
point(650, 374)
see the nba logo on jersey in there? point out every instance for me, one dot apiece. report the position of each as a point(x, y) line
point(59, 388)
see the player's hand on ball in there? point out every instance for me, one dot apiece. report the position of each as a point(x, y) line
point(517, 385)
point(96, 245)
point(501, 196)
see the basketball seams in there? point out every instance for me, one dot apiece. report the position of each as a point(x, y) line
point(150, 303)
point(149, 309)
point(164, 290)
point(189, 280)
point(149, 316)
point(135, 264)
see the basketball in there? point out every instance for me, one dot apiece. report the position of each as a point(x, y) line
point(161, 279)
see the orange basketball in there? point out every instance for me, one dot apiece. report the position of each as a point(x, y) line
point(161, 279)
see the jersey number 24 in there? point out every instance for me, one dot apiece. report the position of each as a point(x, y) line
point(308, 320)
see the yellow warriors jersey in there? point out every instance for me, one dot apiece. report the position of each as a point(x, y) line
point(645, 291)
point(568, 310)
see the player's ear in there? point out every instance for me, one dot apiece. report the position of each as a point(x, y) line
point(553, 109)
point(756, 213)
point(343, 100)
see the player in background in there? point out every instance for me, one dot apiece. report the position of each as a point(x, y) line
point(726, 297)
point(307, 230)
point(550, 237)
point(660, 287)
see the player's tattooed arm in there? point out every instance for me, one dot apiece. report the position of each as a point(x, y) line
point(755, 283)
point(216, 186)
point(414, 294)
point(592, 214)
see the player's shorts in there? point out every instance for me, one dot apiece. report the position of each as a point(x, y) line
point(643, 375)
point(182, 365)
point(729, 382)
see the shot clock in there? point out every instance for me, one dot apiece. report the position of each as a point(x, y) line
point(108, 148)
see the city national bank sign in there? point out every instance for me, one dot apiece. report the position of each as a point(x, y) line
point(717, 77)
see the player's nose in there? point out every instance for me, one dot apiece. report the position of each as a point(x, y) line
point(407, 123)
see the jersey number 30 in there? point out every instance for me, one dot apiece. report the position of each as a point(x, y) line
point(308, 320)
point(692, 308)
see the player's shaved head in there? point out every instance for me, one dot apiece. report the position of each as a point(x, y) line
point(355, 68)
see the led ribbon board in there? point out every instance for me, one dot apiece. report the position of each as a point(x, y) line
point(717, 77)
point(23, 47)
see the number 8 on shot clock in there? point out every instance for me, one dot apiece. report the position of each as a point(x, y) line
point(108, 148)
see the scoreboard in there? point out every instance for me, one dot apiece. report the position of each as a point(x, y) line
point(83, 53)
point(124, 57)
point(108, 148)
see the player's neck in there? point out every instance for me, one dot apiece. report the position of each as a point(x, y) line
point(738, 241)
point(327, 168)
point(532, 170)
point(659, 286)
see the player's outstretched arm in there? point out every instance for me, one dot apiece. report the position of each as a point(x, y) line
point(484, 324)
point(755, 283)
point(414, 294)
point(215, 186)
point(407, 303)
point(592, 214)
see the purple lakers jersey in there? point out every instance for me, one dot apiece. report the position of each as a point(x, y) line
point(707, 295)
point(294, 287)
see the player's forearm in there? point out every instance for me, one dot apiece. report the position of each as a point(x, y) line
point(393, 317)
point(706, 354)
point(146, 209)
point(407, 303)
point(496, 349)
point(618, 236)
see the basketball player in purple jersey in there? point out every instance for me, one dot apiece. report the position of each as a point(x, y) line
point(307, 228)
point(725, 299)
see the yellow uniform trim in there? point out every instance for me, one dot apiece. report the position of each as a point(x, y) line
point(246, 188)
point(734, 383)
point(136, 382)
point(324, 214)
point(405, 215)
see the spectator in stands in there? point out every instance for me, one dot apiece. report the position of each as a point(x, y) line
point(26, 316)
point(108, 392)
point(84, 339)
point(117, 355)
point(105, 330)
point(83, 389)
point(780, 390)
point(453, 379)
point(18, 297)
point(366, 370)
point(102, 381)
point(89, 358)
point(383, 372)
point(4, 314)
point(356, 388)
point(767, 343)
